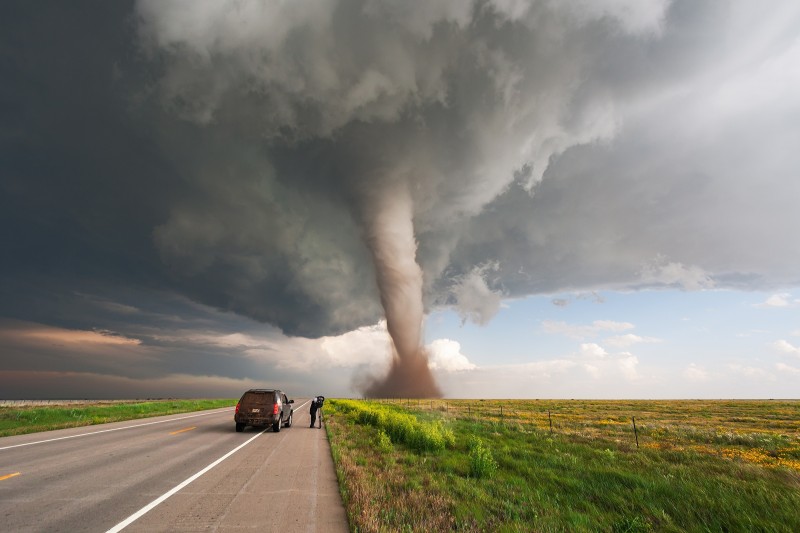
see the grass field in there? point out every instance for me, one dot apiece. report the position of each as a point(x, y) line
point(699, 465)
point(19, 420)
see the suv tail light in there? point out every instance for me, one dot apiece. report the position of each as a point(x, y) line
point(276, 409)
point(237, 407)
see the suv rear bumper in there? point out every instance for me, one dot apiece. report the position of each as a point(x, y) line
point(250, 420)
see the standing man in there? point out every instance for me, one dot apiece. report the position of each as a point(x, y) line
point(316, 403)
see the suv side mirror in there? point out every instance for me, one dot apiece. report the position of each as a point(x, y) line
point(291, 401)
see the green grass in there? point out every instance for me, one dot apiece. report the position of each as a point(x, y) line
point(22, 420)
point(400, 427)
point(697, 467)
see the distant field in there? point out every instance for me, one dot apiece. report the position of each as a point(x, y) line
point(472, 465)
point(18, 418)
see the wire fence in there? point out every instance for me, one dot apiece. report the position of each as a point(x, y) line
point(773, 426)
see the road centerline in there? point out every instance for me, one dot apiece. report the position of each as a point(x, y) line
point(8, 476)
point(150, 506)
point(183, 430)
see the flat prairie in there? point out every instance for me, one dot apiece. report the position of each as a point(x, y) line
point(568, 465)
point(20, 417)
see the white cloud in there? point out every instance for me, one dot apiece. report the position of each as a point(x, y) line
point(786, 369)
point(583, 331)
point(610, 325)
point(751, 372)
point(778, 300)
point(628, 367)
point(593, 351)
point(445, 354)
point(593, 371)
point(368, 345)
point(786, 347)
point(693, 372)
point(625, 341)
point(603, 363)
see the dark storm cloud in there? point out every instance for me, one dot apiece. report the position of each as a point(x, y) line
point(292, 121)
point(234, 153)
point(414, 122)
point(78, 178)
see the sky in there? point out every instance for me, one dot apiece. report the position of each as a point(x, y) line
point(580, 199)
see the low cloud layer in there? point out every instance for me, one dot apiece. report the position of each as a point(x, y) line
point(238, 154)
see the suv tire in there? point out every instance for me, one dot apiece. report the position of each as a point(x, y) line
point(289, 422)
point(239, 427)
point(276, 427)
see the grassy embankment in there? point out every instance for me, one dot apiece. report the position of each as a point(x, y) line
point(699, 466)
point(30, 419)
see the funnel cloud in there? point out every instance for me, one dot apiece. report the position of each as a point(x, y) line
point(390, 237)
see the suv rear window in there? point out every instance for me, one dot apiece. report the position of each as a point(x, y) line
point(259, 397)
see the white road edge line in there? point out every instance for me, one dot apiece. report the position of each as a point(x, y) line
point(108, 430)
point(147, 508)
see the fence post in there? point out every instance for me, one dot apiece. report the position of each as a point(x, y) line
point(550, 419)
point(501, 411)
point(635, 433)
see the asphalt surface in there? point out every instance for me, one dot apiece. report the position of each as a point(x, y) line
point(189, 472)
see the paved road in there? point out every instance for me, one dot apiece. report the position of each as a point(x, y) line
point(103, 478)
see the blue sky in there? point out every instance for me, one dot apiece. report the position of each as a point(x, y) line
point(704, 344)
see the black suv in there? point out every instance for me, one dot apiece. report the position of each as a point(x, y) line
point(264, 407)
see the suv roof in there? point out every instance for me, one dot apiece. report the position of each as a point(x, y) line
point(261, 391)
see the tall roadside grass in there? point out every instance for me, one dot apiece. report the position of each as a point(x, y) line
point(400, 427)
point(31, 419)
point(503, 475)
point(481, 460)
point(381, 455)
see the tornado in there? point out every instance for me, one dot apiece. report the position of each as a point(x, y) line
point(389, 234)
point(327, 149)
